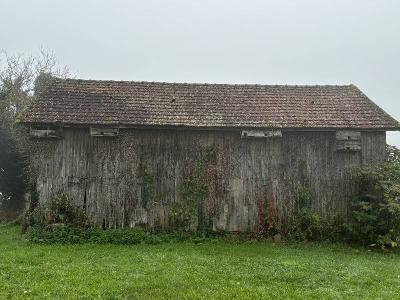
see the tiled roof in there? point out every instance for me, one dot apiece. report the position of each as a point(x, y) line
point(73, 101)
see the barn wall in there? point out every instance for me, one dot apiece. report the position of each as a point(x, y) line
point(153, 178)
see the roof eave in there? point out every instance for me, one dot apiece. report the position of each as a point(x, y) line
point(238, 127)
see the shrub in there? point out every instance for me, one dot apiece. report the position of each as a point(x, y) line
point(59, 210)
point(310, 226)
point(375, 209)
point(307, 225)
point(374, 218)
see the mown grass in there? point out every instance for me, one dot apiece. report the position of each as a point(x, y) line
point(211, 270)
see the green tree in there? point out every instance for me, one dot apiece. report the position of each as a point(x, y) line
point(22, 79)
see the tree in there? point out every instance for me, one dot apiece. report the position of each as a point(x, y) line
point(12, 177)
point(22, 79)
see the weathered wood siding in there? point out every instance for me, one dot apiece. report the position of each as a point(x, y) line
point(137, 178)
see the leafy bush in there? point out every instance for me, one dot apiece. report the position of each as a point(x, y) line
point(375, 210)
point(69, 234)
point(307, 225)
point(310, 226)
point(374, 218)
point(59, 210)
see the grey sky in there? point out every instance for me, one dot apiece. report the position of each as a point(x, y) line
point(224, 41)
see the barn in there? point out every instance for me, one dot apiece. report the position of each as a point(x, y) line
point(201, 156)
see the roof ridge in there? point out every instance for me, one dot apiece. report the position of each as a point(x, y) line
point(200, 83)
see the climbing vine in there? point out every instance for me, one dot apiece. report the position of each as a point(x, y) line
point(148, 180)
point(304, 193)
point(198, 192)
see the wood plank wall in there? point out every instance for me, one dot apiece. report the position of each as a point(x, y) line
point(103, 175)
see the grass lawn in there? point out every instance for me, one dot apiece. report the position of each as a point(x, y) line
point(188, 271)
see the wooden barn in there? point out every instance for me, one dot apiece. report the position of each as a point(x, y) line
point(214, 156)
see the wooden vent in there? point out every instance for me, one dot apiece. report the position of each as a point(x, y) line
point(348, 140)
point(261, 133)
point(45, 132)
point(104, 131)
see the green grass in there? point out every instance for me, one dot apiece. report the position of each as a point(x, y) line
point(213, 270)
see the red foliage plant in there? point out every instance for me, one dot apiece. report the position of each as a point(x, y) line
point(273, 223)
point(260, 215)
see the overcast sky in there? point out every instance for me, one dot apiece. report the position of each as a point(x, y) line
point(222, 41)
